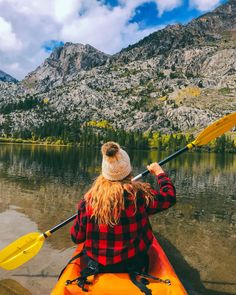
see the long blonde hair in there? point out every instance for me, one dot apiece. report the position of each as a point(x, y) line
point(106, 198)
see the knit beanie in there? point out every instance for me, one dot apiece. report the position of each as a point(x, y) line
point(116, 162)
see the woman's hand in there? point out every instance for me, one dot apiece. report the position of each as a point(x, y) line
point(155, 168)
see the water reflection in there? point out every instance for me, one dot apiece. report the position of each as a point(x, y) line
point(10, 287)
point(34, 165)
point(45, 183)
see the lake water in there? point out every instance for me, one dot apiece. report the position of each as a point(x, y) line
point(41, 185)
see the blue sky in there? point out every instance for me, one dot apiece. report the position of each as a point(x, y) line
point(49, 45)
point(146, 15)
point(31, 29)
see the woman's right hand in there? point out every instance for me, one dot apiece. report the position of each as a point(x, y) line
point(155, 168)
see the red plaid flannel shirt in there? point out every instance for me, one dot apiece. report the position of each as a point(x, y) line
point(133, 233)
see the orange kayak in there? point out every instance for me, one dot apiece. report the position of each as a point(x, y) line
point(120, 283)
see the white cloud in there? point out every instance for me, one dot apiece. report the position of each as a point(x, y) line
point(8, 39)
point(104, 28)
point(26, 25)
point(107, 30)
point(62, 12)
point(204, 5)
point(167, 5)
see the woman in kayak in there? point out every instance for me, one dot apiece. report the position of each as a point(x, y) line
point(112, 218)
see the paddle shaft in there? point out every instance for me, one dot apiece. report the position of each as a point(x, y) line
point(55, 228)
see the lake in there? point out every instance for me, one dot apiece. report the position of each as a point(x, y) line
point(41, 185)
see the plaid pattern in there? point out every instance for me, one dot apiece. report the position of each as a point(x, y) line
point(133, 234)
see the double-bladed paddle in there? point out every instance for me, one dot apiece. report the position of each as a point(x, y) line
point(26, 247)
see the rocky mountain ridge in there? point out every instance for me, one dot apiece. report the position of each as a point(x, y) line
point(178, 79)
point(6, 78)
point(64, 63)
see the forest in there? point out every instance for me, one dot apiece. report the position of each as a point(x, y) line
point(93, 134)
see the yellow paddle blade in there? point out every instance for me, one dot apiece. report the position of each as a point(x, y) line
point(21, 250)
point(216, 129)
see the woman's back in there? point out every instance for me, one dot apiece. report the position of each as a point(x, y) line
point(131, 234)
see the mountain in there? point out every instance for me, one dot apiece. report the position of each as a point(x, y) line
point(206, 29)
point(64, 64)
point(6, 78)
point(178, 79)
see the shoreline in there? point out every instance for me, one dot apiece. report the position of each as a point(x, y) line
point(34, 142)
point(56, 143)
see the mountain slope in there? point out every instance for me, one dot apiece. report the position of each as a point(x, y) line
point(178, 79)
point(6, 78)
point(64, 63)
point(203, 30)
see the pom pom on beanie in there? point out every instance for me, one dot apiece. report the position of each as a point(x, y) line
point(116, 162)
point(110, 149)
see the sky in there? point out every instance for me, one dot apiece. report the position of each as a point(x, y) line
point(31, 29)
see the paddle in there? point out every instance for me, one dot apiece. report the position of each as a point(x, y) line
point(26, 247)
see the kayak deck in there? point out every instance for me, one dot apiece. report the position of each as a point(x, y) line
point(120, 283)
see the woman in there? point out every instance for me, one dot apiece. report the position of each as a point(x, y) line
point(113, 215)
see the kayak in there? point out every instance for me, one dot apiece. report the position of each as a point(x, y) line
point(120, 283)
